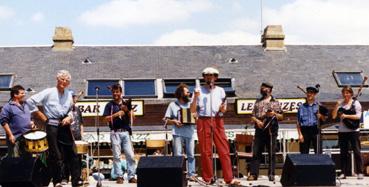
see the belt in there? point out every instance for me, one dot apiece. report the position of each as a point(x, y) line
point(309, 126)
point(119, 130)
point(53, 122)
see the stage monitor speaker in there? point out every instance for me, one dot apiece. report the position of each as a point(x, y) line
point(163, 171)
point(308, 170)
point(25, 172)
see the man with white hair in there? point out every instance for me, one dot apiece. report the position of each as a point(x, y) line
point(57, 115)
point(209, 105)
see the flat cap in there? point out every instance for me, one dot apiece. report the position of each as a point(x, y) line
point(210, 70)
point(312, 89)
point(267, 84)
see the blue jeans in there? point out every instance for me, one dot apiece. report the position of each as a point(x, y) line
point(119, 141)
point(178, 141)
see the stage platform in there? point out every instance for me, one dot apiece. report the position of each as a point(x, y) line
point(261, 182)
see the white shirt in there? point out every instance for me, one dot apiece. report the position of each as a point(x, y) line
point(209, 101)
point(55, 105)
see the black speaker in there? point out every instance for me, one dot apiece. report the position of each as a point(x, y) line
point(25, 171)
point(308, 170)
point(164, 171)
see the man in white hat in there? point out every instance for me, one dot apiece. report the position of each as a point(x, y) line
point(209, 105)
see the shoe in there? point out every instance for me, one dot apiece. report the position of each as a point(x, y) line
point(234, 182)
point(271, 178)
point(360, 176)
point(191, 178)
point(64, 182)
point(342, 176)
point(132, 180)
point(120, 180)
point(79, 183)
point(252, 178)
point(58, 185)
point(211, 182)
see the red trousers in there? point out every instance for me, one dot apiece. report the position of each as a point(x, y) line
point(204, 129)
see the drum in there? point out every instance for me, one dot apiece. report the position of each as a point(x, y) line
point(82, 147)
point(185, 116)
point(35, 141)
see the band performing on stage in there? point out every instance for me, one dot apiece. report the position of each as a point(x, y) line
point(56, 142)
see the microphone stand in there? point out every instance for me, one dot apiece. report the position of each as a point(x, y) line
point(318, 138)
point(166, 137)
point(97, 126)
point(211, 86)
point(271, 147)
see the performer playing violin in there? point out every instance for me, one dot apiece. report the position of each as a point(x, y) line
point(266, 114)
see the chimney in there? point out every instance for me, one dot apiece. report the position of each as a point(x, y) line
point(273, 38)
point(63, 39)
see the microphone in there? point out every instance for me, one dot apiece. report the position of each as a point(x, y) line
point(211, 84)
point(97, 88)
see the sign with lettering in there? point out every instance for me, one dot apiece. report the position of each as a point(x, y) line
point(245, 106)
point(89, 108)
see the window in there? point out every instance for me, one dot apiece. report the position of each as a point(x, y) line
point(170, 85)
point(103, 85)
point(353, 79)
point(6, 81)
point(140, 88)
point(226, 84)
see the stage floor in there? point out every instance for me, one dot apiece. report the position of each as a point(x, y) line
point(261, 182)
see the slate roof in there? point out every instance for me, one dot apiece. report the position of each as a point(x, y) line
point(303, 65)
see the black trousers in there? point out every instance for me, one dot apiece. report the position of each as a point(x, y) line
point(60, 153)
point(68, 170)
point(310, 135)
point(352, 138)
point(262, 140)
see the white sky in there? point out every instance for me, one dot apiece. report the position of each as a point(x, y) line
point(183, 22)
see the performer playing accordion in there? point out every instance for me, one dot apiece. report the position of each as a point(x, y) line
point(180, 117)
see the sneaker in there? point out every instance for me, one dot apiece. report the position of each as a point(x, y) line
point(271, 177)
point(58, 185)
point(360, 176)
point(120, 180)
point(342, 176)
point(132, 180)
point(252, 178)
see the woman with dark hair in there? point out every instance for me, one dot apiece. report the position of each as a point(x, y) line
point(349, 112)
